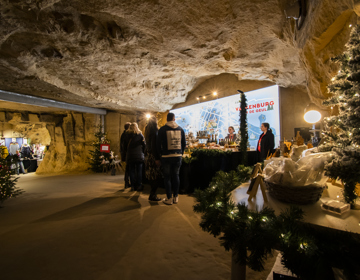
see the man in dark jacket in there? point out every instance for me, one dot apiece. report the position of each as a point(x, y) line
point(266, 143)
point(123, 154)
point(171, 145)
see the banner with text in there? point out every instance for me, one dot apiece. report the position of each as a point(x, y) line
point(217, 115)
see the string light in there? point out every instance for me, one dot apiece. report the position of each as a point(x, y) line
point(214, 94)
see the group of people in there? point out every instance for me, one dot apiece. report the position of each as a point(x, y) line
point(266, 142)
point(161, 150)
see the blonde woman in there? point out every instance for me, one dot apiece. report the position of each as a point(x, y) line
point(134, 148)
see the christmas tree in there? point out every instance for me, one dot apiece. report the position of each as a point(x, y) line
point(243, 128)
point(97, 156)
point(343, 127)
point(8, 179)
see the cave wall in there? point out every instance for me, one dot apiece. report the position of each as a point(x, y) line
point(293, 102)
point(68, 135)
point(325, 32)
point(114, 127)
point(71, 137)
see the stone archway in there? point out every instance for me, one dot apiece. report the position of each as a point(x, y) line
point(68, 137)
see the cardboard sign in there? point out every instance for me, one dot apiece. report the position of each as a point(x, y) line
point(105, 148)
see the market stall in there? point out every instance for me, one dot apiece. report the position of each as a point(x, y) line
point(201, 165)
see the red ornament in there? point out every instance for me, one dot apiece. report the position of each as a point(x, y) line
point(105, 148)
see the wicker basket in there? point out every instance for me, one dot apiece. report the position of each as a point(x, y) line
point(295, 195)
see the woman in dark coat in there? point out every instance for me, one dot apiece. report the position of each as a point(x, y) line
point(134, 147)
point(266, 142)
point(152, 166)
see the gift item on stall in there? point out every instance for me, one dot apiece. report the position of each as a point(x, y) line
point(299, 140)
point(300, 182)
point(306, 171)
point(26, 151)
point(38, 151)
point(14, 147)
point(4, 151)
point(335, 207)
point(296, 152)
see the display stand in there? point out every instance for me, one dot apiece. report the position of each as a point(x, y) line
point(116, 165)
point(256, 180)
point(105, 165)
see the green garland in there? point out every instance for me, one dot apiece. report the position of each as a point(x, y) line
point(200, 153)
point(308, 252)
point(243, 128)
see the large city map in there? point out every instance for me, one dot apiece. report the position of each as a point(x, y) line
point(217, 115)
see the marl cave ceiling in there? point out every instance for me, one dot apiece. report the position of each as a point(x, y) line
point(148, 55)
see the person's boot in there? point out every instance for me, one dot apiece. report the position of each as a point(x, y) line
point(168, 201)
point(154, 197)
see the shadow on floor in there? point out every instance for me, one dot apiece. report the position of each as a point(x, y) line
point(97, 206)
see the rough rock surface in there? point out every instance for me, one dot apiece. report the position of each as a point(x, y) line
point(68, 135)
point(141, 54)
point(147, 55)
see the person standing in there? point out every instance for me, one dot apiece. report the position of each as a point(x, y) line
point(134, 147)
point(123, 154)
point(231, 137)
point(170, 146)
point(266, 142)
point(152, 167)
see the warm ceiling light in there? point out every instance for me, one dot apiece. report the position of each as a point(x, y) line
point(204, 97)
point(148, 116)
point(350, 25)
point(311, 113)
point(214, 93)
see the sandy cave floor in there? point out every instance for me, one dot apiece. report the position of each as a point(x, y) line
point(88, 227)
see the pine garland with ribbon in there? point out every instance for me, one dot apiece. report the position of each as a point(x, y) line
point(308, 251)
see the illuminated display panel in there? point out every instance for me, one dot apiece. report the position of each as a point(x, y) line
point(217, 115)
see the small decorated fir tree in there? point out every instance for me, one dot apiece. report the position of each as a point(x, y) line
point(97, 156)
point(8, 180)
point(343, 129)
point(243, 128)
